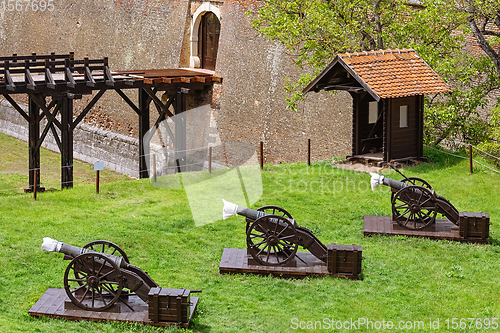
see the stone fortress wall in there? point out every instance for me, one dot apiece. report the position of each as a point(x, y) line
point(248, 106)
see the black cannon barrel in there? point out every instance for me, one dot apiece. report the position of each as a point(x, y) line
point(379, 179)
point(231, 209)
point(394, 183)
point(51, 245)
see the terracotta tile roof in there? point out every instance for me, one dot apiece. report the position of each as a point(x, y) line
point(395, 73)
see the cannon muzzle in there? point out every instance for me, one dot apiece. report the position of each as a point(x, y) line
point(51, 245)
point(231, 209)
point(381, 180)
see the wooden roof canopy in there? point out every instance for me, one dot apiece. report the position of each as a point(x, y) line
point(382, 74)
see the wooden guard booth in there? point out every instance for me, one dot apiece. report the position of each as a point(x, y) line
point(387, 88)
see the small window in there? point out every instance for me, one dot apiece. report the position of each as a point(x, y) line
point(403, 116)
point(372, 112)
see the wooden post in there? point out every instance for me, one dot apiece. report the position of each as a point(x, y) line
point(470, 159)
point(308, 152)
point(154, 168)
point(144, 139)
point(262, 155)
point(210, 159)
point(67, 143)
point(180, 142)
point(97, 182)
point(34, 136)
point(35, 172)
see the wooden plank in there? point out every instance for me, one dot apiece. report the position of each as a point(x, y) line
point(52, 304)
point(40, 304)
point(313, 266)
point(181, 79)
point(50, 298)
point(198, 79)
point(240, 262)
point(444, 229)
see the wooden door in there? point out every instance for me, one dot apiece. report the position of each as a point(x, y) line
point(209, 32)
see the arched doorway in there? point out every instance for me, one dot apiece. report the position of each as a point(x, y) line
point(208, 40)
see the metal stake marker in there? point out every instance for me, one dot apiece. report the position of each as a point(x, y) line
point(98, 166)
point(262, 155)
point(97, 182)
point(309, 152)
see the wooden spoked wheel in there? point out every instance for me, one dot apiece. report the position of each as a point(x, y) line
point(273, 210)
point(272, 240)
point(413, 181)
point(417, 182)
point(414, 207)
point(93, 282)
point(106, 247)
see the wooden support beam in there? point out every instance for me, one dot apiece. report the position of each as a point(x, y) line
point(157, 101)
point(72, 96)
point(88, 107)
point(48, 126)
point(161, 117)
point(133, 83)
point(129, 102)
point(49, 79)
point(180, 128)
point(181, 79)
point(67, 143)
point(108, 78)
point(28, 79)
point(343, 87)
point(144, 139)
point(89, 79)
point(198, 79)
point(45, 110)
point(9, 84)
point(34, 134)
point(56, 137)
point(49, 106)
point(68, 75)
point(17, 107)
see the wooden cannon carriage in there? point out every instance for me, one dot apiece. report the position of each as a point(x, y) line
point(273, 238)
point(415, 207)
point(101, 284)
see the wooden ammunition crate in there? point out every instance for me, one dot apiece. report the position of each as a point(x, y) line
point(344, 260)
point(169, 305)
point(474, 225)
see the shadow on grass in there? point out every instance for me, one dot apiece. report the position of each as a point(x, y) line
point(494, 241)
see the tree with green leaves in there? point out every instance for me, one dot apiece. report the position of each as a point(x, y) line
point(314, 31)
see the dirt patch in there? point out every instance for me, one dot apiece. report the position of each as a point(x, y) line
point(357, 166)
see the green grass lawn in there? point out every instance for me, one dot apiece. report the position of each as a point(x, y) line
point(404, 279)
